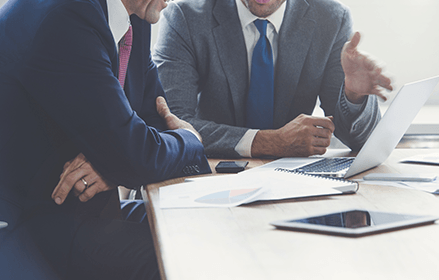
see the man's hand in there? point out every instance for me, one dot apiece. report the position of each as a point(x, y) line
point(304, 136)
point(80, 177)
point(172, 121)
point(362, 75)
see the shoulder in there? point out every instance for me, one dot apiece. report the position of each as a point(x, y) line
point(329, 8)
point(195, 6)
point(60, 12)
point(83, 6)
point(191, 9)
point(74, 17)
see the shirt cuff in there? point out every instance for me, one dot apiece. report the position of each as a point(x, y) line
point(349, 109)
point(353, 108)
point(244, 146)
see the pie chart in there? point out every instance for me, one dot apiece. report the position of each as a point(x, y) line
point(227, 197)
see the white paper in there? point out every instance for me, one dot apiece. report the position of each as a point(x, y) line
point(213, 191)
point(430, 187)
point(196, 194)
point(423, 158)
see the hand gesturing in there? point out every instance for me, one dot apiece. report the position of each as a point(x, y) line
point(362, 75)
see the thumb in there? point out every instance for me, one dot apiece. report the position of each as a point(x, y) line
point(162, 107)
point(353, 43)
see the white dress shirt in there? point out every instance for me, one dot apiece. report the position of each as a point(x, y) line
point(251, 37)
point(118, 20)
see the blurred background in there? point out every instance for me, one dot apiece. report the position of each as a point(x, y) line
point(404, 36)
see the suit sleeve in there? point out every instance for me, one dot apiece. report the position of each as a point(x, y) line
point(177, 60)
point(143, 76)
point(69, 72)
point(352, 129)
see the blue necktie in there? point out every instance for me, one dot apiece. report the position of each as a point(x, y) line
point(261, 92)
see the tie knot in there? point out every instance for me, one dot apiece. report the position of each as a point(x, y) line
point(127, 39)
point(261, 25)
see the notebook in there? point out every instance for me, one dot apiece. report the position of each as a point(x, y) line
point(383, 139)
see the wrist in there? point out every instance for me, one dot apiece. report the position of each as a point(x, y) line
point(263, 144)
point(352, 96)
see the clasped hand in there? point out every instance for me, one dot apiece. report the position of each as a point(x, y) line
point(80, 177)
point(304, 136)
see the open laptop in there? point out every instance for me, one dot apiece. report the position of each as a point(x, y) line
point(383, 139)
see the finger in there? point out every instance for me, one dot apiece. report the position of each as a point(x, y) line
point(172, 122)
point(162, 107)
point(91, 177)
point(319, 150)
point(65, 185)
point(321, 142)
point(353, 43)
point(378, 93)
point(81, 185)
point(384, 82)
point(323, 133)
point(324, 123)
point(74, 164)
point(67, 164)
point(66, 168)
point(90, 192)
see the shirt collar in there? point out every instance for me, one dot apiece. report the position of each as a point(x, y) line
point(246, 17)
point(118, 19)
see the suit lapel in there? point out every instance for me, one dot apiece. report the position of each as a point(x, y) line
point(295, 37)
point(232, 54)
point(135, 77)
point(133, 72)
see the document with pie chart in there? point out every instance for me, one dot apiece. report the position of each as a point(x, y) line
point(237, 189)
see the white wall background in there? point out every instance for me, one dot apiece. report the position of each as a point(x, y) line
point(404, 34)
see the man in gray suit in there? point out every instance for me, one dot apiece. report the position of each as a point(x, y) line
point(204, 57)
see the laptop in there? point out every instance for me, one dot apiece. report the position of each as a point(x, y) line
point(383, 139)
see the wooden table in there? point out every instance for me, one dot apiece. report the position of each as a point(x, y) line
point(239, 243)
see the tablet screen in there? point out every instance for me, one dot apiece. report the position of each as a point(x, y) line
point(354, 222)
point(348, 219)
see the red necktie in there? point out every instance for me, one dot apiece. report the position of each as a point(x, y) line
point(124, 54)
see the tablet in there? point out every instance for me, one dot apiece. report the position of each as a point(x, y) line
point(355, 222)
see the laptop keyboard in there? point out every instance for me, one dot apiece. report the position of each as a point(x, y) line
point(326, 165)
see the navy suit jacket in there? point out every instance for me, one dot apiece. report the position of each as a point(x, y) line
point(60, 97)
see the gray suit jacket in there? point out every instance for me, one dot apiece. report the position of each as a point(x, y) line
point(202, 62)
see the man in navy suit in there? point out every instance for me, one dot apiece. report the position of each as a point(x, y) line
point(70, 134)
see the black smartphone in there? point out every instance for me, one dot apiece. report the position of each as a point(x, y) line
point(230, 166)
